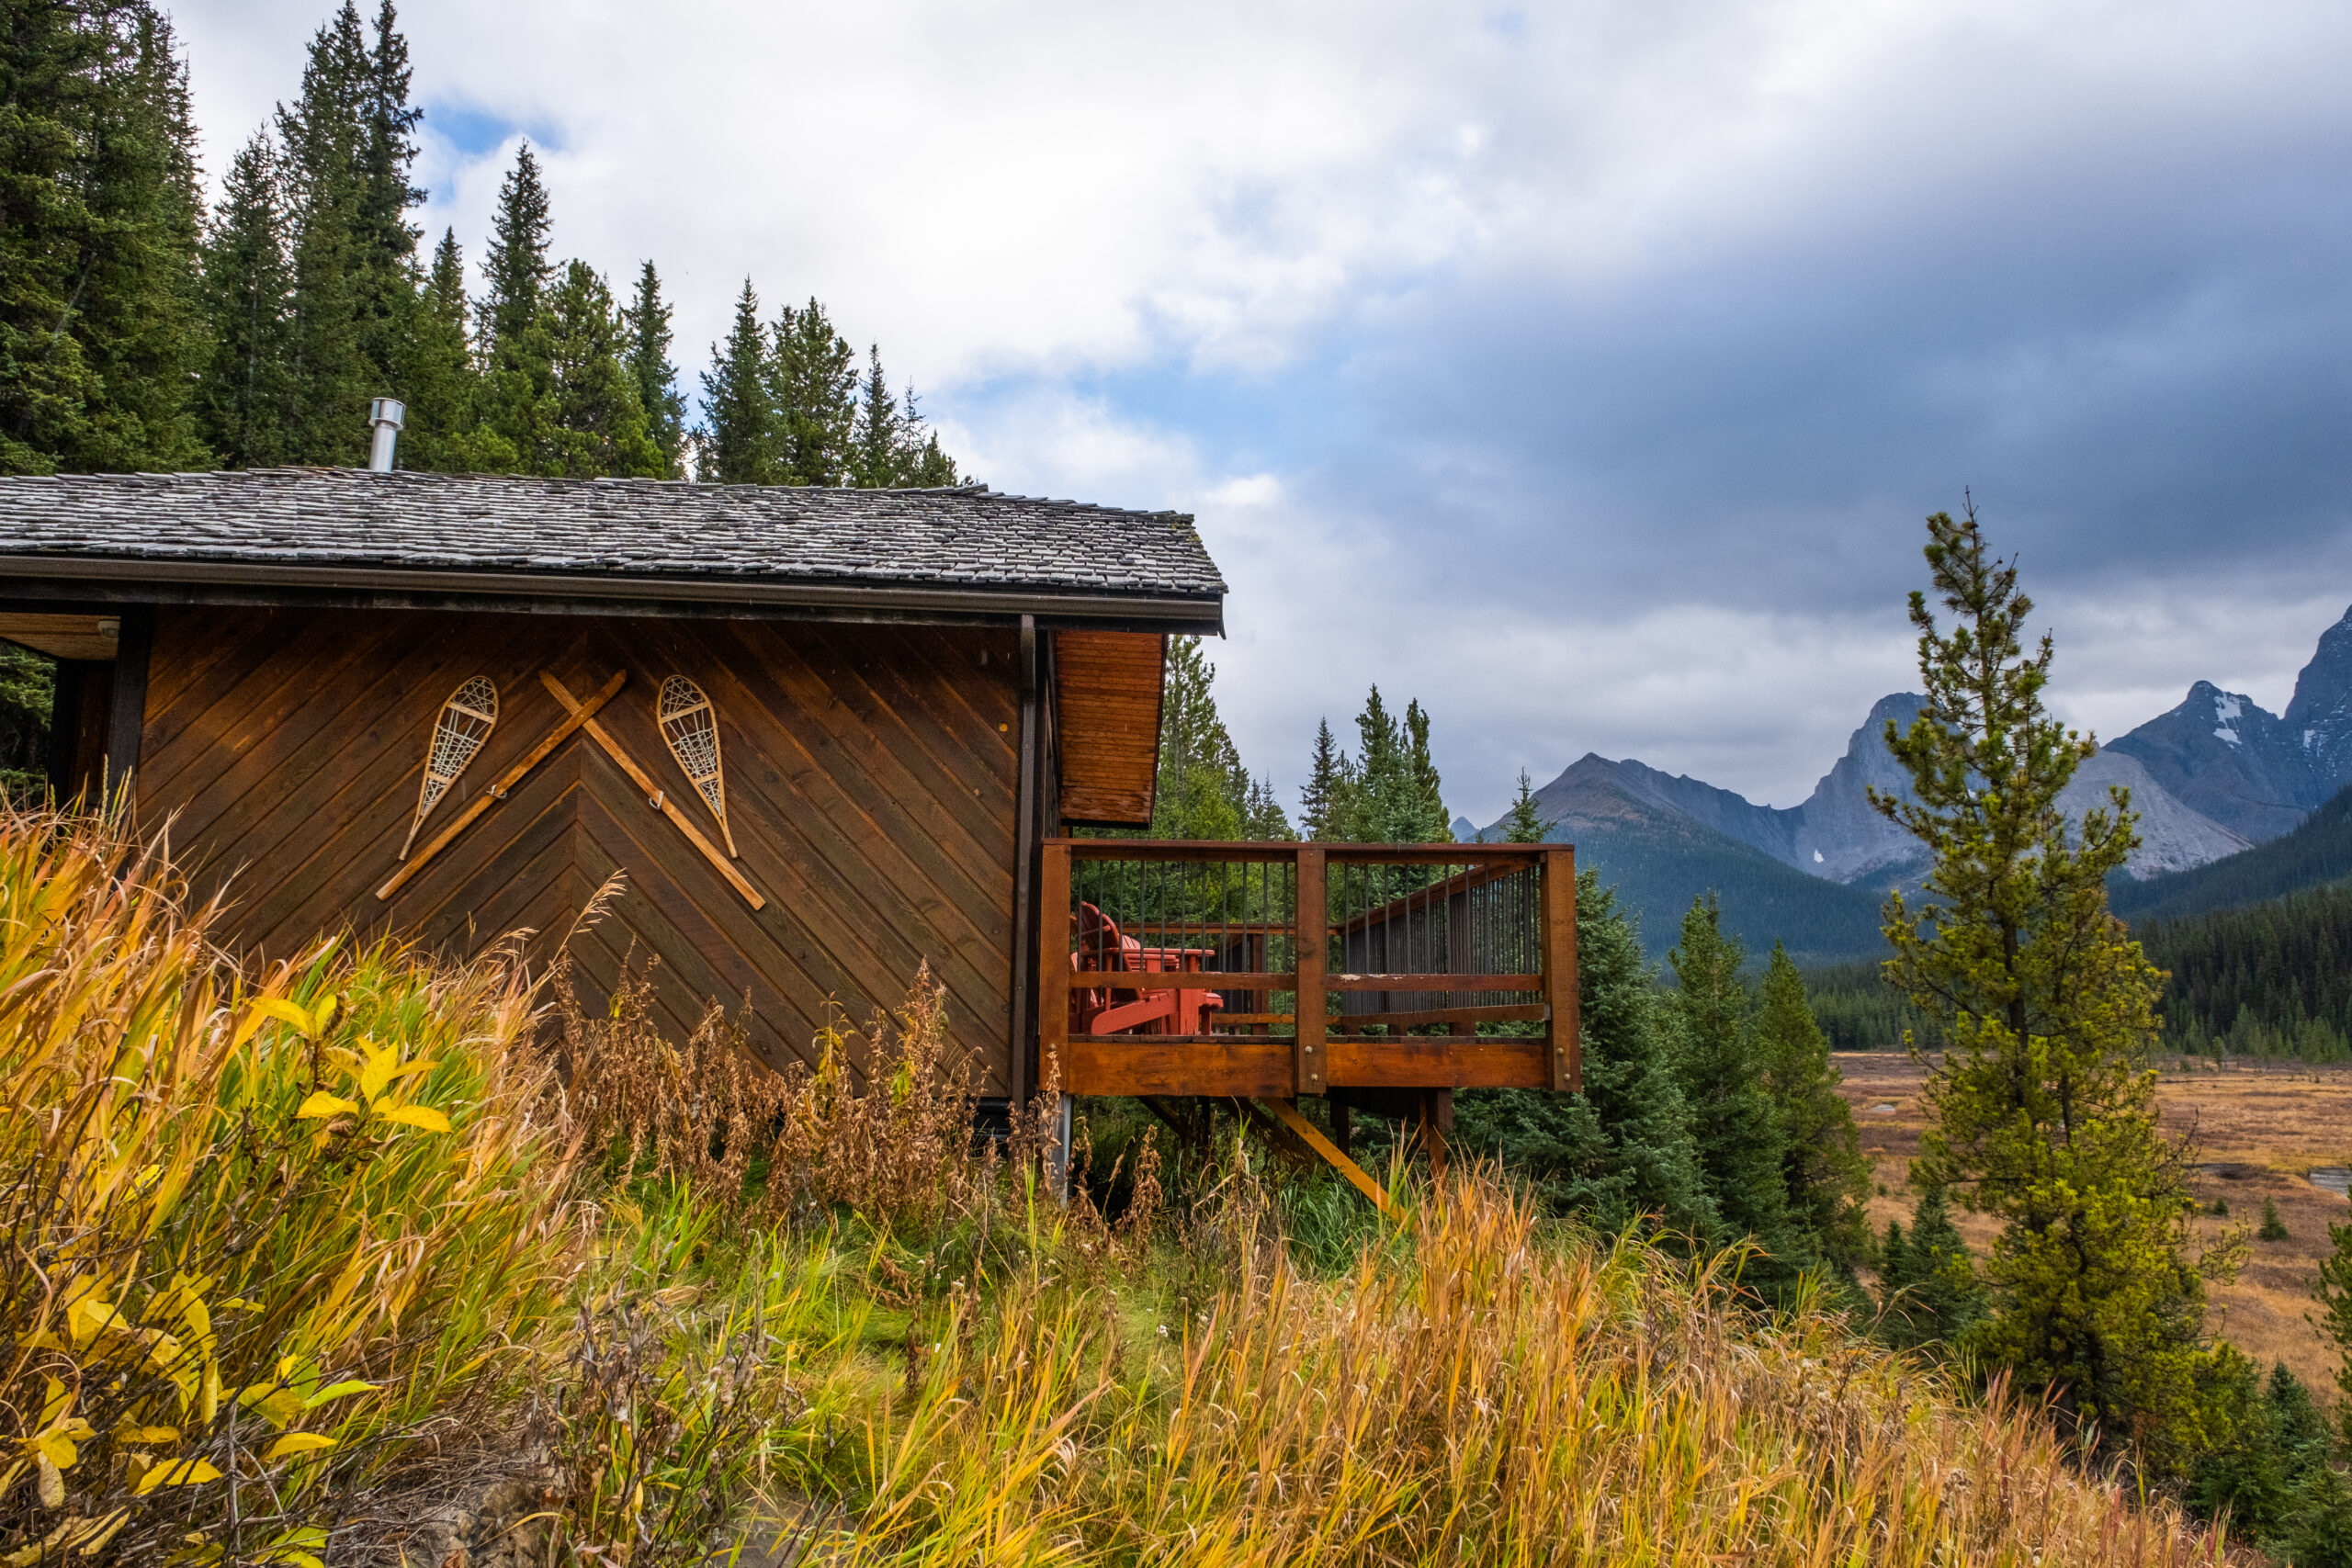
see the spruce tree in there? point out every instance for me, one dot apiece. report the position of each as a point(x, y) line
point(739, 442)
point(321, 137)
point(100, 318)
point(1929, 1290)
point(1824, 1176)
point(138, 309)
point(1732, 1120)
point(1524, 823)
point(1425, 820)
point(2044, 1105)
point(878, 457)
point(814, 392)
point(51, 62)
point(647, 357)
point(517, 265)
point(1318, 797)
point(590, 423)
point(437, 377)
point(383, 242)
point(244, 392)
point(1619, 1153)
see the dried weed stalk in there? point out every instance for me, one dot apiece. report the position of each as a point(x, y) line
point(882, 1126)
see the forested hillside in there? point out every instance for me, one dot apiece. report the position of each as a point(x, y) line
point(2319, 850)
point(139, 332)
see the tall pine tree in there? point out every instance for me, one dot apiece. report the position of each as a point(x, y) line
point(383, 242)
point(100, 316)
point(738, 442)
point(245, 390)
point(1722, 1082)
point(647, 359)
point(1824, 1174)
point(516, 265)
point(815, 382)
point(322, 136)
point(437, 377)
point(591, 422)
point(2043, 1107)
point(1620, 1152)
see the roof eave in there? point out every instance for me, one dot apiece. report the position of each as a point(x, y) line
point(142, 579)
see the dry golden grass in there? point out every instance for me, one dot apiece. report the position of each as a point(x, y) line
point(2258, 1128)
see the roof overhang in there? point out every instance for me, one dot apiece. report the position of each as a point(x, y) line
point(142, 579)
point(1108, 686)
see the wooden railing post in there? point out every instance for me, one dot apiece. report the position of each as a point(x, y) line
point(1559, 935)
point(1053, 960)
point(1311, 926)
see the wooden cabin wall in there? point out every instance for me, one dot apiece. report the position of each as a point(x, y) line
point(870, 776)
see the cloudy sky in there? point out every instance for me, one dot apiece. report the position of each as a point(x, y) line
point(1583, 370)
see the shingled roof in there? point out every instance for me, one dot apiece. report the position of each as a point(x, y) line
point(635, 540)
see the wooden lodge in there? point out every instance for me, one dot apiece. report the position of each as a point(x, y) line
point(826, 734)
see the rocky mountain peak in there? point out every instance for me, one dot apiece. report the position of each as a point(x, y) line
point(2320, 716)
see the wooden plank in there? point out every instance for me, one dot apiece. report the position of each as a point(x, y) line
point(1560, 967)
point(655, 795)
point(1286, 1111)
point(1053, 966)
point(1108, 686)
point(1440, 1062)
point(61, 638)
point(1244, 1069)
point(1517, 1012)
point(505, 782)
point(1307, 1039)
point(1434, 983)
point(1178, 980)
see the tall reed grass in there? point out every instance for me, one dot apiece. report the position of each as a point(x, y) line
point(253, 1231)
point(270, 1239)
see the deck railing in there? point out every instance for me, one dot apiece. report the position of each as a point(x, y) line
point(1179, 967)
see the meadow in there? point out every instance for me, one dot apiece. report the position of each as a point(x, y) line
point(2256, 1129)
point(367, 1258)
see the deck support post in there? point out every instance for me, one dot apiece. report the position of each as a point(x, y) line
point(127, 716)
point(1310, 934)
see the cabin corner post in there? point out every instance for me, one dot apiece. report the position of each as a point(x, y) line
point(1560, 967)
point(1028, 808)
point(1311, 924)
point(1053, 965)
point(127, 716)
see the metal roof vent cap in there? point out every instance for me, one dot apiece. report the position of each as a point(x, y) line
point(386, 415)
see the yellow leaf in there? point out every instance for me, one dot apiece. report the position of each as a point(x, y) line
point(423, 1116)
point(285, 1011)
point(325, 1105)
point(102, 1531)
point(208, 1393)
point(381, 1060)
point(322, 1015)
point(56, 1399)
point(56, 1450)
point(52, 1485)
point(90, 1317)
point(295, 1443)
point(180, 1472)
point(277, 1405)
point(136, 1434)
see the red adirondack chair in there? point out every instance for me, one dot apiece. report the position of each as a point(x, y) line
point(1103, 948)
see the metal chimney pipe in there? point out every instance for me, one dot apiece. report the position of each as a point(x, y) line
point(387, 415)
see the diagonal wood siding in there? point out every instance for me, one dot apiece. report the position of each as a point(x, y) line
point(870, 782)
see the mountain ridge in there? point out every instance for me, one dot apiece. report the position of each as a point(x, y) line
point(2214, 777)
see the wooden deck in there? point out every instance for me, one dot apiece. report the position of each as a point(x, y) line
point(1434, 967)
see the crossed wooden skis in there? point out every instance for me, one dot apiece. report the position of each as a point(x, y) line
point(578, 716)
